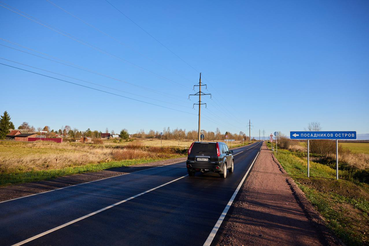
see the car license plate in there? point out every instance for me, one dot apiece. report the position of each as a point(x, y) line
point(202, 159)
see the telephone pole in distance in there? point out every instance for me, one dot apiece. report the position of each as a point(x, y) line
point(250, 130)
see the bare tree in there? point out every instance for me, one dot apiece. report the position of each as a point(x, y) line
point(25, 126)
point(218, 134)
point(314, 126)
point(151, 134)
point(67, 128)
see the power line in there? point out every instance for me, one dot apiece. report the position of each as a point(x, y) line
point(229, 123)
point(151, 36)
point(113, 38)
point(29, 17)
point(88, 82)
point(229, 111)
point(95, 89)
point(94, 47)
point(157, 41)
point(69, 64)
point(120, 42)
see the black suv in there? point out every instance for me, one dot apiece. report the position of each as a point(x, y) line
point(210, 156)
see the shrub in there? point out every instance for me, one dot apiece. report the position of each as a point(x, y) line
point(97, 141)
point(324, 147)
point(135, 145)
point(124, 134)
point(284, 143)
point(129, 154)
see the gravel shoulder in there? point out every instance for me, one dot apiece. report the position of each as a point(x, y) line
point(27, 189)
point(271, 210)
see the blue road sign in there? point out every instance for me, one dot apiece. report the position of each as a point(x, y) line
point(322, 135)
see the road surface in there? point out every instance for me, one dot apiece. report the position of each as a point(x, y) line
point(155, 206)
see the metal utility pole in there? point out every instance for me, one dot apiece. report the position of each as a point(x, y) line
point(250, 130)
point(199, 94)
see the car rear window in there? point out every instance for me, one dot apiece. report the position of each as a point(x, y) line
point(208, 149)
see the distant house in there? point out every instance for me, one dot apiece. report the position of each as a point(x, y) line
point(105, 135)
point(23, 137)
point(115, 136)
point(86, 140)
point(12, 134)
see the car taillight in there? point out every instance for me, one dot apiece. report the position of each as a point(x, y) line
point(189, 150)
point(218, 150)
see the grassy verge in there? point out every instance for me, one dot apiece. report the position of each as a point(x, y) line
point(356, 147)
point(343, 203)
point(24, 177)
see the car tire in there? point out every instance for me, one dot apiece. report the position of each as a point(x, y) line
point(190, 173)
point(223, 174)
point(231, 170)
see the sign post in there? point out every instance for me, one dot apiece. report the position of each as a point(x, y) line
point(336, 159)
point(271, 141)
point(276, 141)
point(308, 159)
point(318, 135)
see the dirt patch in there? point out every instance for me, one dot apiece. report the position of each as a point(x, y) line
point(16, 191)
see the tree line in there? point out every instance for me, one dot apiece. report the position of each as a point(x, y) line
point(67, 132)
point(180, 134)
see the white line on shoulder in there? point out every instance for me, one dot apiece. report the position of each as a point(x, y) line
point(213, 232)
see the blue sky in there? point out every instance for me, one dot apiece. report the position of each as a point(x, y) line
point(282, 64)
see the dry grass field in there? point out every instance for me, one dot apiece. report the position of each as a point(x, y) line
point(166, 143)
point(30, 161)
point(18, 157)
point(352, 153)
point(356, 147)
point(154, 143)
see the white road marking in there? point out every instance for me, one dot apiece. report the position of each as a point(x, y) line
point(94, 213)
point(238, 153)
point(97, 180)
point(151, 168)
point(212, 234)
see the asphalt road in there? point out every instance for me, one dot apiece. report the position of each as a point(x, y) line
point(155, 206)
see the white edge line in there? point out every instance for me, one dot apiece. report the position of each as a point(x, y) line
point(239, 153)
point(97, 180)
point(94, 213)
point(70, 186)
point(212, 234)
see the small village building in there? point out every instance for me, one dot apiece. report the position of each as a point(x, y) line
point(86, 140)
point(12, 134)
point(105, 135)
point(23, 137)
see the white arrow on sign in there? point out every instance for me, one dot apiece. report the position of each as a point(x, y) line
point(295, 135)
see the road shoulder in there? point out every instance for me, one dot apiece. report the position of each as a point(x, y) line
point(272, 210)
